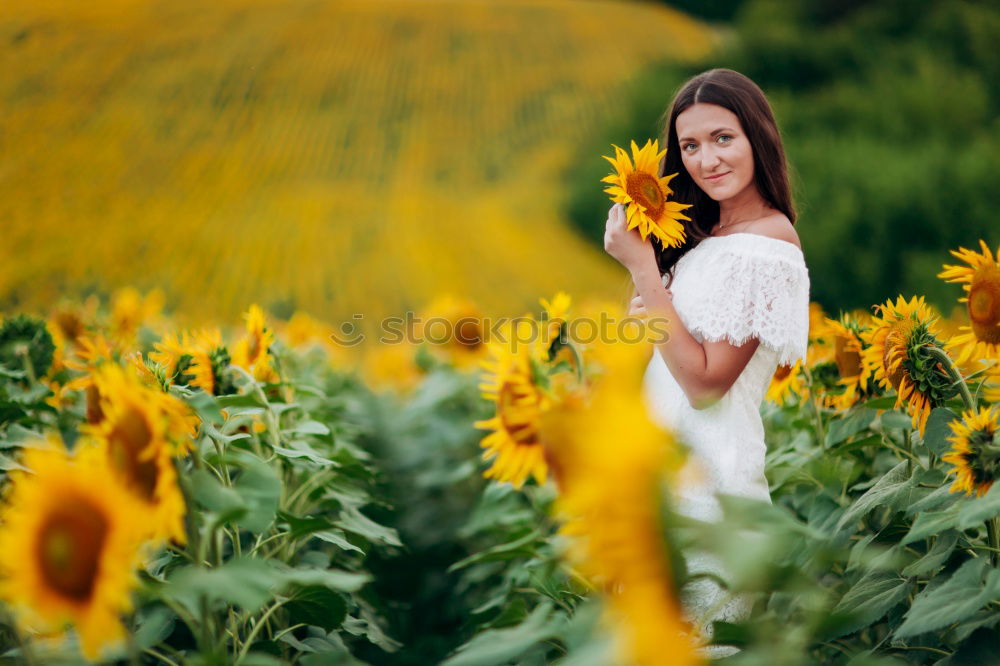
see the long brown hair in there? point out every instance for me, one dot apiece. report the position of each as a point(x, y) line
point(730, 90)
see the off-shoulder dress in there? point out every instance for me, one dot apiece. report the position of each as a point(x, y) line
point(734, 287)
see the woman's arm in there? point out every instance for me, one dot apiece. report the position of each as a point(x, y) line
point(704, 371)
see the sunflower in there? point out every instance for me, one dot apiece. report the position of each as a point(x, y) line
point(142, 429)
point(252, 352)
point(175, 353)
point(610, 501)
point(454, 329)
point(975, 451)
point(514, 371)
point(70, 544)
point(556, 319)
point(645, 194)
point(981, 278)
point(130, 310)
point(210, 363)
point(392, 367)
point(848, 347)
point(91, 353)
point(786, 382)
point(898, 357)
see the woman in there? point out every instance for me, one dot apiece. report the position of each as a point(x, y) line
point(737, 297)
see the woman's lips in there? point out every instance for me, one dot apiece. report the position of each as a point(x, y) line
point(716, 179)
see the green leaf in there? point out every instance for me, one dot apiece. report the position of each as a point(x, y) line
point(205, 405)
point(940, 497)
point(958, 598)
point(250, 399)
point(333, 579)
point(244, 582)
point(938, 430)
point(225, 502)
point(260, 487)
point(932, 522)
point(300, 449)
point(337, 538)
point(501, 646)
point(352, 520)
point(887, 402)
point(317, 605)
point(309, 428)
point(975, 511)
point(935, 557)
point(870, 598)
point(850, 425)
point(892, 490)
point(521, 547)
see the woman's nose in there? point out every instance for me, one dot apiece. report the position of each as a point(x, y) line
point(709, 159)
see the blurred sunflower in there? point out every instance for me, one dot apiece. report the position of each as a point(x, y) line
point(175, 353)
point(848, 347)
point(92, 351)
point(252, 352)
point(645, 194)
point(975, 452)
point(69, 546)
point(392, 366)
point(210, 362)
point(512, 381)
point(141, 431)
point(453, 328)
point(981, 283)
point(786, 382)
point(130, 310)
point(899, 359)
point(556, 319)
point(610, 499)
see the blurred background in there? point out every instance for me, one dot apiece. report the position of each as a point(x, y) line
point(363, 157)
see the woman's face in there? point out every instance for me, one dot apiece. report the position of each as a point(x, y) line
point(715, 150)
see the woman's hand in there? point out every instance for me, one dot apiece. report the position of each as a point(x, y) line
point(636, 308)
point(626, 245)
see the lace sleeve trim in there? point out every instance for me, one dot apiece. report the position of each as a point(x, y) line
point(753, 292)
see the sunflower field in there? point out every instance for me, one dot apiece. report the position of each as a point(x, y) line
point(265, 495)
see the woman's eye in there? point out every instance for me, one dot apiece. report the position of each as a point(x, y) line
point(686, 146)
point(726, 137)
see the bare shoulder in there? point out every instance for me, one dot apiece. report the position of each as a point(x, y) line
point(776, 226)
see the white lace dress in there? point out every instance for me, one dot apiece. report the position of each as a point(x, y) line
point(736, 286)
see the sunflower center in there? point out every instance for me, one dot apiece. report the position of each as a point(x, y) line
point(645, 189)
point(517, 420)
point(128, 440)
point(94, 412)
point(69, 549)
point(984, 305)
point(848, 358)
point(468, 333)
point(782, 372)
point(254, 350)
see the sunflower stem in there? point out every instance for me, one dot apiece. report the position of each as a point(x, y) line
point(993, 532)
point(949, 365)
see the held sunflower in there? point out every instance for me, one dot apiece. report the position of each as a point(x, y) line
point(981, 283)
point(975, 452)
point(899, 358)
point(70, 544)
point(646, 196)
